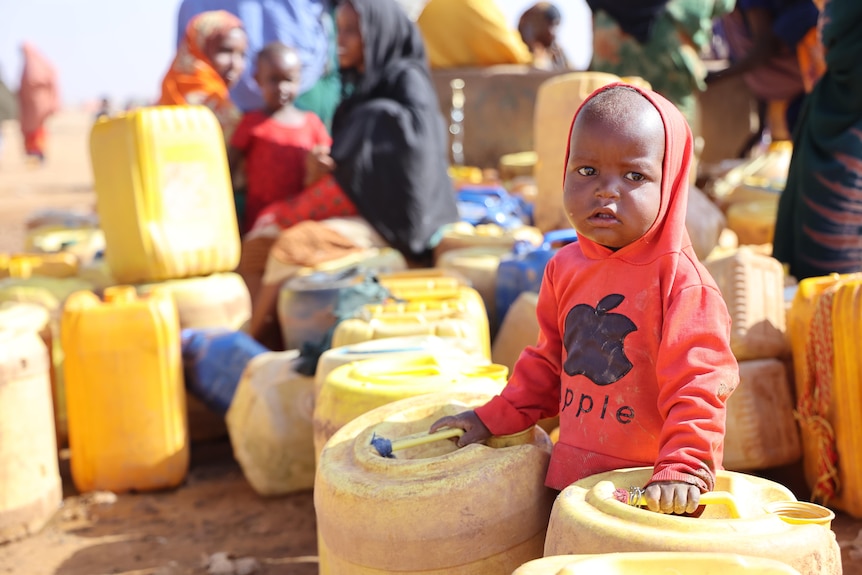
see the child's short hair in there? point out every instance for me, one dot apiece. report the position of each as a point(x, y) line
point(274, 50)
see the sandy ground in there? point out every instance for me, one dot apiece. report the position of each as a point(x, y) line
point(215, 512)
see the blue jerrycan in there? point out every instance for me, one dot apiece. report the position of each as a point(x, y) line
point(523, 268)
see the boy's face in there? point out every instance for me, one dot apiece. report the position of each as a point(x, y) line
point(228, 56)
point(612, 189)
point(350, 54)
point(278, 76)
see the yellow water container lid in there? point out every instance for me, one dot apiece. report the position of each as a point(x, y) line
point(656, 563)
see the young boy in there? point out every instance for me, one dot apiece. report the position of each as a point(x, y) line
point(633, 351)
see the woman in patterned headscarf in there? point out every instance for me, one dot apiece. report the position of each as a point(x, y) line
point(210, 60)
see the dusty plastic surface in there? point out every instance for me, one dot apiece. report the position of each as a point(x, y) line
point(753, 221)
point(215, 300)
point(163, 194)
point(761, 429)
point(752, 285)
point(519, 329)
point(587, 519)
point(357, 388)
point(125, 392)
point(30, 485)
point(434, 509)
point(655, 563)
point(269, 422)
point(479, 265)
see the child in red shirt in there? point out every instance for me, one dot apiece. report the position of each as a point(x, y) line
point(633, 352)
point(275, 141)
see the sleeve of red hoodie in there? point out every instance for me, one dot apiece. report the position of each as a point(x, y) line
point(533, 390)
point(696, 374)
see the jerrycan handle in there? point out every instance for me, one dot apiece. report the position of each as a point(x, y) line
point(634, 497)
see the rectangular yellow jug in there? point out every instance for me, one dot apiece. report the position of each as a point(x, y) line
point(164, 195)
point(124, 390)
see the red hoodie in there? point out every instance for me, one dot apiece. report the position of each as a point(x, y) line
point(633, 350)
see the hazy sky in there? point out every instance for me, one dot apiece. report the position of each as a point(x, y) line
point(122, 48)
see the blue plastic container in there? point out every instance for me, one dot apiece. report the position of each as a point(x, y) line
point(522, 270)
point(213, 362)
point(492, 205)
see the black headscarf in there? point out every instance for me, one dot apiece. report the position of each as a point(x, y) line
point(389, 139)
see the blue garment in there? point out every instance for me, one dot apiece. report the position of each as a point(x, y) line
point(792, 19)
point(303, 24)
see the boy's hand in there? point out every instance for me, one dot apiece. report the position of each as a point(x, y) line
point(474, 430)
point(318, 163)
point(672, 497)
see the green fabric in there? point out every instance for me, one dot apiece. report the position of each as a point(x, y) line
point(322, 98)
point(818, 228)
point(8, 104)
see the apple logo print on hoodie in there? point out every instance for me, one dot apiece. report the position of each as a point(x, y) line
point(594, 341)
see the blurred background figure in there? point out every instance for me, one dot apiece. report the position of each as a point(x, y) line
point(38, 100)
point(105, 108)
point(306, 25)
point(470, 33)
point(659, 41)
point(818, 229)
point(210, 59)
point(766, 39)
point(8, 108)
point(538, 28)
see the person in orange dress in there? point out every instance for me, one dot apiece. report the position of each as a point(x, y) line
point(38, 99)
point(210, 59)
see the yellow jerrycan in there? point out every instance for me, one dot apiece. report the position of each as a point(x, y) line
point(466, 235)
point(269, 421)
point(655, 563)
point(479, 265)
point(356, 388)
point(557, 100)
point(751, 516)
point(125, 391)
point(433, 509)
point(30, 486)
point(753, 221)
point(56, 265)
point(446, 348)
point(163, 194)
point(752, 286)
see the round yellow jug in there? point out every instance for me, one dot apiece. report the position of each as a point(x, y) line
point(479, 265)
point(655, 563)
point(434, 509)
point(753, 221)
point(215, 300)
point(269, 421)
point(586, 518)
point(446, 348)
point(357, 388)
point(30, 487)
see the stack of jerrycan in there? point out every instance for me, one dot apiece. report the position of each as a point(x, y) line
point(166, 208)
point(30, 487)
point(761, 429)
point(474, 251)
point(425, 302)
point(824, 328)
point(749, 193)
point(125, 392)
point(431, 508)
point(356, 388)
point(30, 280)
point(557, 100)
point(744, 514)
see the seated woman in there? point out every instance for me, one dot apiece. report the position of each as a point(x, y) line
point(388, 157)
point(210, 59)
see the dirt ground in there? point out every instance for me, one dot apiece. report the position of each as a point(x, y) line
point(214, 520)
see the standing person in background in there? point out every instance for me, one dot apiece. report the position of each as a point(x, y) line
point(538, 28)
point(818, 229)
point(388, 156)
point(658, 40)
point(306, 25)
point(38, 100)
point(468, 33)
point(209, 61)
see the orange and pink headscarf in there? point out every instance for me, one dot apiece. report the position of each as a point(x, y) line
point(192, 79)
